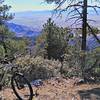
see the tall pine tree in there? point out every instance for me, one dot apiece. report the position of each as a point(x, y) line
point(4, 31)
point(57, 39)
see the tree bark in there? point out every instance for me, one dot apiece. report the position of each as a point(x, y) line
point(84, 26)
point(84, 35)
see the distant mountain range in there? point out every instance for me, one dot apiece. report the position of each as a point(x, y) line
point(32, 19)
point(22, 30)
point(28, 23)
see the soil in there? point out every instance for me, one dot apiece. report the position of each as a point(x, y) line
point(59, 89)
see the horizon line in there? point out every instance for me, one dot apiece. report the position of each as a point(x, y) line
point(29, 11)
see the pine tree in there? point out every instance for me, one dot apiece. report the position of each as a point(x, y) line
point(57, 39)
point(4, 31)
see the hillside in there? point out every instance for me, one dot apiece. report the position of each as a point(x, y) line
point(22, 30)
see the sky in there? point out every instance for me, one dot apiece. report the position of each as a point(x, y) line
point(28, 5)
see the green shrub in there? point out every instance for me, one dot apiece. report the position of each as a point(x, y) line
point(38, 68)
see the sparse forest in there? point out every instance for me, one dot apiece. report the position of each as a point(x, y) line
point(58, 54)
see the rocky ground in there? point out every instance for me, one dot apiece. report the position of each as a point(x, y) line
point(60, 89)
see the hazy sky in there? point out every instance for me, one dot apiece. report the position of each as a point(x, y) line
point(26, 5)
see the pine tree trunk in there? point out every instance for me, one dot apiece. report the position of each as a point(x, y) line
point(84, 26)
point(84, 35)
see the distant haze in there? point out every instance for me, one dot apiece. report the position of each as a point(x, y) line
point(36, 19)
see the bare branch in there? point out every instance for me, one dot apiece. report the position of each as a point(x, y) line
point(60, 4)
point(90, 20)
point(76, 22)
point(93, 6)
point(75, 17)
point(91, 30)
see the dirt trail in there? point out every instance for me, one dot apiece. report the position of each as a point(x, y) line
point(61, 89)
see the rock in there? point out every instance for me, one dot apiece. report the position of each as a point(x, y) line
point(37, 83)
point(79, 81)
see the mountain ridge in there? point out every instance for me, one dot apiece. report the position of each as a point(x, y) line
point(22, 30)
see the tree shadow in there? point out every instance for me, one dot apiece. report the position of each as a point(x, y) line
point(93, 94)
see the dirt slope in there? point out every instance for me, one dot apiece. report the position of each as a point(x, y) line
point(60, 89)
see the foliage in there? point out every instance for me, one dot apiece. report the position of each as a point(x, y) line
point(1, 51)
point(72, 63)
point(4, 31)
point(38, 68)
point(4, 15)
point(4, 34)
point(78, 10)
point(16, 46)
point(95, 30)
point(9, 45)
point(54, 39)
